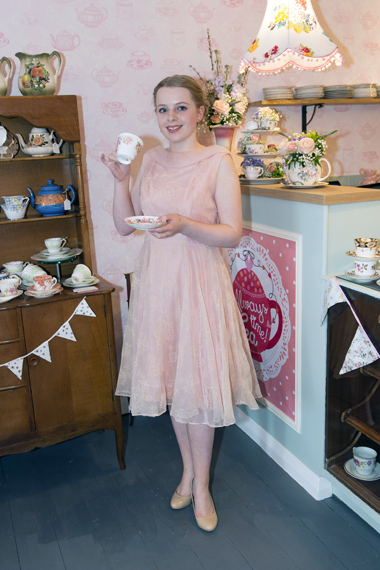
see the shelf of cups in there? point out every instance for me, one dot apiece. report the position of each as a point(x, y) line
point(39, 219)
point(32, 158)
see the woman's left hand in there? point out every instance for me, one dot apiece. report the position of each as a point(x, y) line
point(174, 225)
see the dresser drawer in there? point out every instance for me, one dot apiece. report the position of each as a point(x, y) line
point(8, 325)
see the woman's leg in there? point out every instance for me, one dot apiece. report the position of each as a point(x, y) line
point(195, 444)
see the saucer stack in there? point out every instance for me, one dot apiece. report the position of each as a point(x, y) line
point(272, 93)
point(93, 280)
point(309, 92)
point(33, 292)
point(338, 91)
point(64, 254)
point(365, 256)
point(364, 91)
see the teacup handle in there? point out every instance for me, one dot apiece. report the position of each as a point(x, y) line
point(329, 169)
point(262, 170)
point(16, 277)
point(63, 242)
point(25, 200)
point(53, 281)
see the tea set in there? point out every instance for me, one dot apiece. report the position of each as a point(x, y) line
point(363, 464)
point(365, 257)
point(19, 277)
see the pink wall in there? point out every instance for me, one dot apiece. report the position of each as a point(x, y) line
point(116, 51)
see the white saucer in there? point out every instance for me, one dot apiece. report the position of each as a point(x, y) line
point(304, 186)
point(350, 468)
point(5, 298)
point(56, 257)
point(61, 251)
point(70, 283)
point(144, 222)
point(352, 254)
point(259, 181)
point(351, 273)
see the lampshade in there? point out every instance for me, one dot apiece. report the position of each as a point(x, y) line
point(290, 35)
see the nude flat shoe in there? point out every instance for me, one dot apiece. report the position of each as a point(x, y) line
point(205, 523)
point(179, 502)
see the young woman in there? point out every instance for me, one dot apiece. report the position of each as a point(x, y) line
point(185, 344)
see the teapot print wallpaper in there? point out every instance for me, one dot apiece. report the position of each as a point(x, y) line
point(265, 271)
point(114, 52)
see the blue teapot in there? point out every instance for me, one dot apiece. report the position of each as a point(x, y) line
point(50, 199)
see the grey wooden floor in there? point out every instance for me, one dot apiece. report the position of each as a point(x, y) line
point(70, 507)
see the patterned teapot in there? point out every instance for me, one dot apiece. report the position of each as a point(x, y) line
point(50, 199)
point(41, 142)
point(4, 78)
point(37, 73)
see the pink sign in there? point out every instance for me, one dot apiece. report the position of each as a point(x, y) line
point(263, 271)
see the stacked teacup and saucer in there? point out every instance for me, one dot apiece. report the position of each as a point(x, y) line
point(9, 287)
point(81, 277)
point(43, 286)
point(363, 464)
point(365, 257)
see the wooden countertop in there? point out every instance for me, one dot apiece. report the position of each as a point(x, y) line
point(324, 196)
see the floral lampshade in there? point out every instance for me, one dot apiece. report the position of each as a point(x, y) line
point(290, 35)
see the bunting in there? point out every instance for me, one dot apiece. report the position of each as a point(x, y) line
point(362, 350)
point(43, 350)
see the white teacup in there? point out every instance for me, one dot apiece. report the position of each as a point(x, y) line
point(30, 270)
point(14, 266)
point(255, 148)
point(54, 245)
point(253, 172)
point(365, 268)
point(128, 146)
point(81, 273)
point(16, 211)
point(365, 460)
point(44, 282)
point(10, 285)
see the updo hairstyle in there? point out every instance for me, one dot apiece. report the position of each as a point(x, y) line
point(189, 83)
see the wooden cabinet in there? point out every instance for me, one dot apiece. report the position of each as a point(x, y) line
point(353, 399)
point(73, 393)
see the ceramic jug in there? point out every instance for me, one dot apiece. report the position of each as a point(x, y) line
point(37, 73)
point(4, 78)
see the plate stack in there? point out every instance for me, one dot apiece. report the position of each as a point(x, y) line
point(364, 91)
point(338, 91)
point(309, 92)
point(272, 93)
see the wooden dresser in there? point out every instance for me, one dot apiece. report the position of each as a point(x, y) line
point(71, 392)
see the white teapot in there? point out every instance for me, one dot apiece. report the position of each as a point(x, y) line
point(41, 142)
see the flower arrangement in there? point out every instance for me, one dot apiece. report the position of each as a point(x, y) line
point(226, 98)
point(271, 170)
point(304, 149)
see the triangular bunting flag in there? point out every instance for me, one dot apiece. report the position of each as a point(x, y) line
point(333, 295)
point(15, 366)
point(84, 309)
point(66, 332)
point(360, 353)
point(43, 351)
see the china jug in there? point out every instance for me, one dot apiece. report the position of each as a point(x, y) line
point(37, 74)
point(4, 78)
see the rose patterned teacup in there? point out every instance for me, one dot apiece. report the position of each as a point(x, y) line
point(9, 285)
point(128, 146)
point(44, 282)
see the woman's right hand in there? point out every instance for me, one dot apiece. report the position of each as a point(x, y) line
point(119, 171)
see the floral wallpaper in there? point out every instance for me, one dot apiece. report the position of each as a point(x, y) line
point(116, 51)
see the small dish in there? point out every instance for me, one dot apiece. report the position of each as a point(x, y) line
point(61, 251)
point(349, 468)
point(351, 273)
point(5, 298)
point(352, 254)
point(43, 294)
point(259, 181)
point(70, 283)
point(144, 222)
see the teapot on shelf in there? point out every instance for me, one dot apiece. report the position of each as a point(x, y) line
point(50, 200)
point(41, 142)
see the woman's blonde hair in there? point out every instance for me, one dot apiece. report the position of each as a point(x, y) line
point(189, 83)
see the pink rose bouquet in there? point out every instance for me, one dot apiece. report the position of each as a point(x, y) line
point(226, 98)
point(304, 149)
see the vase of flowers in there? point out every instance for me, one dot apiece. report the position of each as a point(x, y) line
point(227, 101)
point(302, 156)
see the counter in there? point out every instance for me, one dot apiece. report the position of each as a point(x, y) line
point(325, 222)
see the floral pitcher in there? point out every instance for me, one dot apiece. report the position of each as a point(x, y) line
point(37, 74)
point(4, 78)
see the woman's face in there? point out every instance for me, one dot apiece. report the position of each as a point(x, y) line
point(177, 114)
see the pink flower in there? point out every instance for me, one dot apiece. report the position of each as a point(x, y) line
point(271, 168)
point(282, 150)
point(216, 119)
point(221, 106)
point(306, 145)
point(291, 146)
point(239, 107)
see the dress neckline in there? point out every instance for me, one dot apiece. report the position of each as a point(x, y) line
point(187, 158)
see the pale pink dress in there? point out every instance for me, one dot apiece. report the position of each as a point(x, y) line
point(185, 342)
